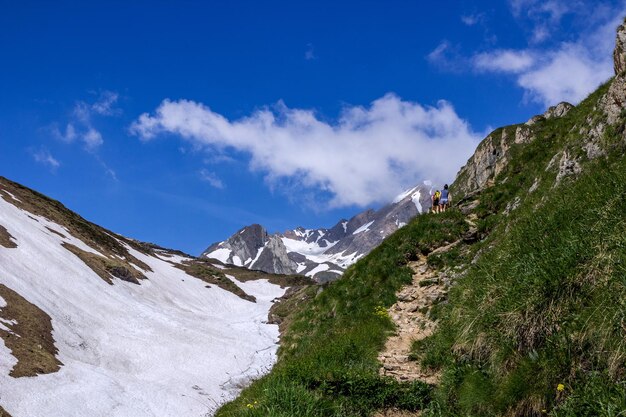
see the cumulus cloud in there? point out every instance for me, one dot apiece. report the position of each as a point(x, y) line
point(368, 155)
point(43, 156)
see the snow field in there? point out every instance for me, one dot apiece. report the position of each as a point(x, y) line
point(167, 347)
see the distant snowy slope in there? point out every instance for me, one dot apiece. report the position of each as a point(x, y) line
point(123, 329)
point(322, 254)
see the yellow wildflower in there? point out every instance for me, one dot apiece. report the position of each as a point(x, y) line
point(560, 387)
point(381, 311)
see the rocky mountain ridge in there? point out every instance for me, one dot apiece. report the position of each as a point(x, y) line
point(324, 253)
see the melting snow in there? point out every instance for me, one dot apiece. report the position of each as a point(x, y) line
point(177, 259)
point(319, 268)
point(404, 195)
point(416, 200)
point(363, 228)
point(221, 254)
point(12, 196)
point(256, 258)
point(167, 347)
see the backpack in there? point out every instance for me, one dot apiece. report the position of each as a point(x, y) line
point(437, 195)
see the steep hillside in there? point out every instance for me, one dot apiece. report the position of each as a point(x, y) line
point(516, 297)
point(322, 254)
point(96, 324)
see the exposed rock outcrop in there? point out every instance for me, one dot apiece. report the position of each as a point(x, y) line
point(274, 258)
point(492, 154)
point(614, 100)
point(559, 110)
point(487, 162)
point(619, 53)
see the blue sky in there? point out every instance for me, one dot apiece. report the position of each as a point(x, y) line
point(180, 122)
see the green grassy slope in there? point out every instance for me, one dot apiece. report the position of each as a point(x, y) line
point(534, 325)
point(537, 325)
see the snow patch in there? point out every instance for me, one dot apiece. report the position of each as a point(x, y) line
point(416, 200)
point(221, 254)
point(237, 261)
point(12, 196)
point(363, 228)
point(403, 195)
point(256, 258)
point(319, 268)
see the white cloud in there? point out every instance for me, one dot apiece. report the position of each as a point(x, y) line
point(568, 71)
point(542, 12)
point(43, 156)
point(473, 19)
point(569, 74)
point(447, 57)
point(92, 138)
point(211, 178)
point(503, 60)
point(81, 125)
point(68, 136)
point(367, 155)
point(105, 103)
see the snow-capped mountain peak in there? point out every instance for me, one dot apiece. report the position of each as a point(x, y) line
point(320, 253)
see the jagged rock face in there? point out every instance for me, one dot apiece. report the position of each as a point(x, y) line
point(614, 100)
point(242, 246)
point(559, 110)
point(320, 253)
point(492, 154)
point(523, 134)
point(274, 258)
point(619, 53)
point(483, 166)
point(383, 223)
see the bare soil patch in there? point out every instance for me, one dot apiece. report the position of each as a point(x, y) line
point(107, 268)
point(6, 240)
point(203, 270)
point(29, 336)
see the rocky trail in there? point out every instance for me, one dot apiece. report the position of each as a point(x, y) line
point(410, 314)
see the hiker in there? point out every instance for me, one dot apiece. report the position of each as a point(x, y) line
point(444, 200)
point(435, 198)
